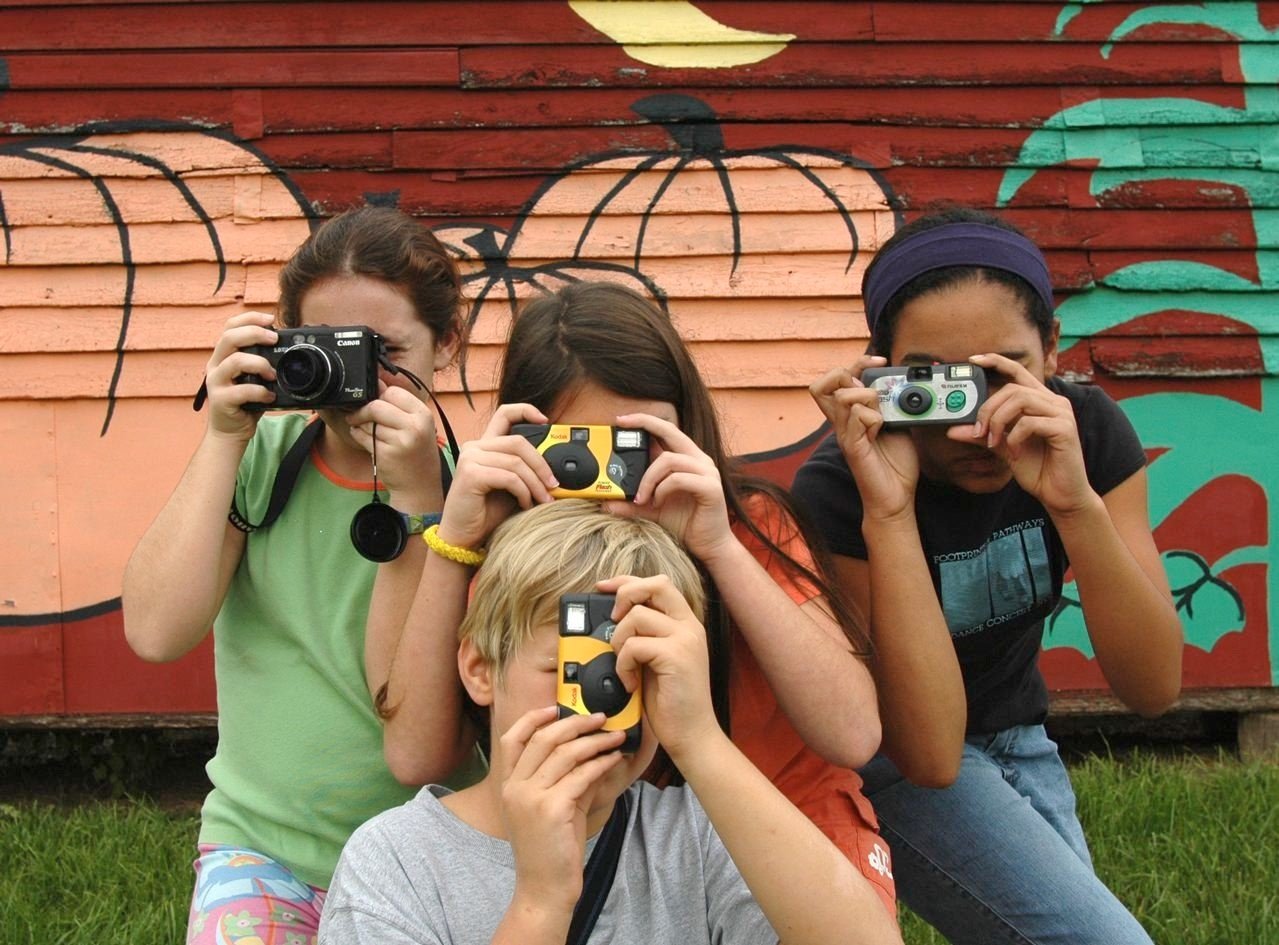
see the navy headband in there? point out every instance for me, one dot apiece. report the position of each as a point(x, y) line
point(953, 244)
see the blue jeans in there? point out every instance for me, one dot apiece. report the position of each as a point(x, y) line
point(998, 856)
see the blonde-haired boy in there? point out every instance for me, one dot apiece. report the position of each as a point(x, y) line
point(724, 859)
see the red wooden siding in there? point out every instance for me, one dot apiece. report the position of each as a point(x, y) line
point(229, 125)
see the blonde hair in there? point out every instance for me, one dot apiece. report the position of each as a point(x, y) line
point(563, 547)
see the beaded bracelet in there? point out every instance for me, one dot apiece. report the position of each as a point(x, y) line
point(471, 557)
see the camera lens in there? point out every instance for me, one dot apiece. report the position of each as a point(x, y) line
point(602, 689)
point(914, 400)
point(306, 371)
point(573, 464)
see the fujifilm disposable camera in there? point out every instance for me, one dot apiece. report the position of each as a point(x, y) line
point(590, 462)
point(587, 667)
point(918, 395)
point(318, 366)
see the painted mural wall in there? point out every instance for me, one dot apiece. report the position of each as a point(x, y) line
point(740, 160)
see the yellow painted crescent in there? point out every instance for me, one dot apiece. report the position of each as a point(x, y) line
point(676, 34)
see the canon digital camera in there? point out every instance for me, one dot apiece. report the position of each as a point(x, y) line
point(318, 366)
point(918, 395)
point(587, 679)
point(590, 462)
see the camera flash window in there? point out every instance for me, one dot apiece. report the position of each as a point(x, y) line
point(629, 439)
point(961, 371)
point(575, 618)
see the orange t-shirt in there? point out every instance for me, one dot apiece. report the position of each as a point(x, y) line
point(830, 795)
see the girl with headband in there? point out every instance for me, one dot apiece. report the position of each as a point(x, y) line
point(971, 793)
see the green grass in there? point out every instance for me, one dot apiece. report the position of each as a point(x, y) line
point(100, 873)
point(1191, 846)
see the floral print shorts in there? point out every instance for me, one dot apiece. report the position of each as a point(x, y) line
point(244, 898)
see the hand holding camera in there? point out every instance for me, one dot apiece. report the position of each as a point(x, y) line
point(234, 407)
point(1034, 430)
point(661, 645)
point(682, 490)
point(553, 770)
point(886, 467)
point(496, 475)
point(401, 427)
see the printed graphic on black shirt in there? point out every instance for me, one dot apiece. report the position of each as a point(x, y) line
point(1006, 578)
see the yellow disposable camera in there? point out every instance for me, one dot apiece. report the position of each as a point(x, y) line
point(587, 679)
point(590, 462)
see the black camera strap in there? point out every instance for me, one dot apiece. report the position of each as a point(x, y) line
point(285, 477)
point(601, 869)
point(291, 465)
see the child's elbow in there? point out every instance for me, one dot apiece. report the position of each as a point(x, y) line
point(1156, 700)
point(936, 773)
point(417, 764)
point(930, 769)
point(146, 641)
point(410, 772)
point(864, 744)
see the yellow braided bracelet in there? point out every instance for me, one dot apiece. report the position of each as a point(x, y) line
point(471, 557)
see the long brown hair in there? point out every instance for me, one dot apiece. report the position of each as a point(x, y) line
point(609, 334)
point(381, 243)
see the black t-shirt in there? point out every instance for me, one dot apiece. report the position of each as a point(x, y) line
point(996, 560)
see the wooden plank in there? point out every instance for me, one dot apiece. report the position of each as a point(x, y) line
point(1178, 356)
point(38, 111)
point(691, 235)
point(179, 328)
point(232, 69)
point(148, 441)
point(366, 150)
point(918, 188)
point(1259, 737)
point(104, 676)
point(1142, 229)
point(72, 201)
point(80, 286)
point(150, 243)
point(306, 109)
point(716, 319)
point(879, 146)
point(29, 544)
point(441, 195)
point(437, 196)
point(1232, 699)
point(823, 64)
point(153, 328)
point(376, 24)
point(30, 669)
point(1024, 22)
point(45, 376)
point(28, 721)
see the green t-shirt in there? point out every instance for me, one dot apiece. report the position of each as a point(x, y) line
point(299, 760)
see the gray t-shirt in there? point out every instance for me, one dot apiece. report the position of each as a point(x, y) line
point(419, 874)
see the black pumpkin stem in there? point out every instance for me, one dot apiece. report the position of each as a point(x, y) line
point(691, 123)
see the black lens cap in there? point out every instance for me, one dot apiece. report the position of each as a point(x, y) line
point(378, 532)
